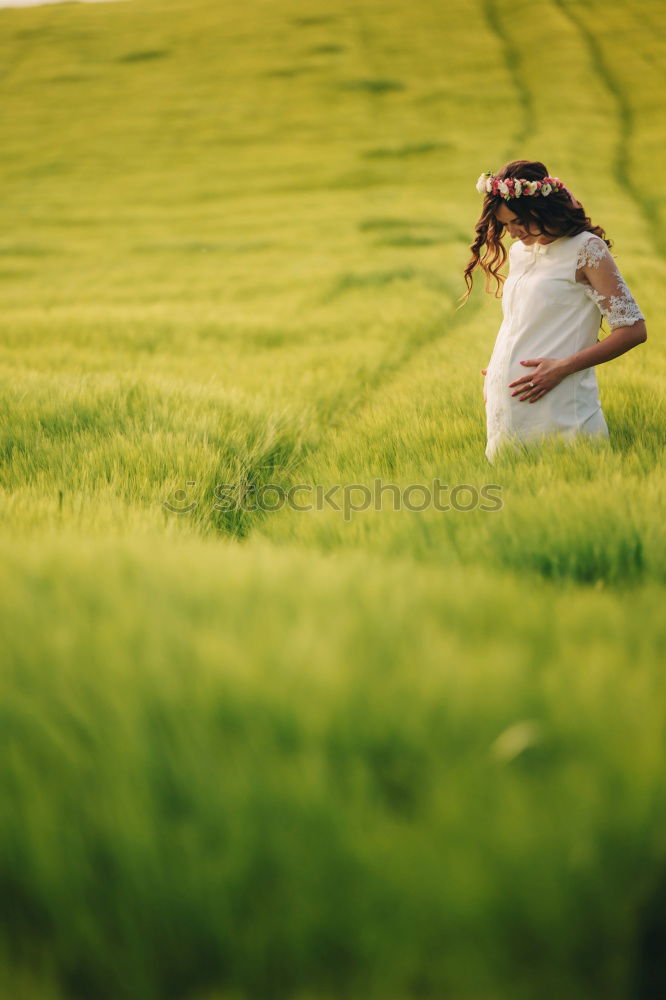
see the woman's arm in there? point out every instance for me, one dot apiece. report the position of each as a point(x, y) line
point(619, 341)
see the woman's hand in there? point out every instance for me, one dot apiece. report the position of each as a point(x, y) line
point(484, 372)
point(548, 372)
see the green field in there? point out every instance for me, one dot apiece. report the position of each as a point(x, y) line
point(373, 754)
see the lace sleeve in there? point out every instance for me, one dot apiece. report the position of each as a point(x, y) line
point(606, 285)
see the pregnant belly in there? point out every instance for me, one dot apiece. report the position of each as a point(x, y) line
point(558, 408)
point(564, 406)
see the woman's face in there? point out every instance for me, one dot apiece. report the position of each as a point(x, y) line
point(527, 232)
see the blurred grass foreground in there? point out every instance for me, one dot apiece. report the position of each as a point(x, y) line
point(288, 754)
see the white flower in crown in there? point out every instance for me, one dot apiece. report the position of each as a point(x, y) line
point(503, 188)
point(517, 188)
point(484, 183)
point(529, 187)
point(546, 188)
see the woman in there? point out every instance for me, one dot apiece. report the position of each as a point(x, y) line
point(562, 279)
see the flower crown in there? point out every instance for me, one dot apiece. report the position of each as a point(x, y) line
point(517, 187)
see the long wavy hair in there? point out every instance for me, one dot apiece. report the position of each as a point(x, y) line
point(560, 214)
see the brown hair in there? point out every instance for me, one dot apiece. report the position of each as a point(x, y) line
point(560, 214)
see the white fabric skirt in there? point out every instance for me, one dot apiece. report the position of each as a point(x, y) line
point(594, 426)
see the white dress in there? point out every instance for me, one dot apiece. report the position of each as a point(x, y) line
point(551, 310)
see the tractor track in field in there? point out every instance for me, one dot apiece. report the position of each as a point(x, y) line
point(621, 167)
point(511, 58)
point(387, 374)
point(353, 407)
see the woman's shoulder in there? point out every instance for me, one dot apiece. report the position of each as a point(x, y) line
point(584, 249)
point(591, 249)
